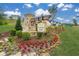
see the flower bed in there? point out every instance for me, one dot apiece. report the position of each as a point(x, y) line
point(35, 45)
point(40, 46)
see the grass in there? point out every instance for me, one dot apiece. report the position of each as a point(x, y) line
point(9, 26)
point(5, 28)
point(70, 43)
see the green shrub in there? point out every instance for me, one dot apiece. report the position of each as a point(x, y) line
point(19, 33)
point(5, 23)
point(13, 32)
point(26, 36)
point(40, 34)
point(1, 22)
point(10, 39)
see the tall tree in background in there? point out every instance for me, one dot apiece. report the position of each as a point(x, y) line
point(75, 21)
point(11, 18)
point(18, 24)
point(53, 11)
point(1, 16)
point(2, 13)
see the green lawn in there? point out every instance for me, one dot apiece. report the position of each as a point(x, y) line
point(9, 26)
point(69, 39)
point(4, 28)
point(70, 43)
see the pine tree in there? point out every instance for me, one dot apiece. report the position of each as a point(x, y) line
point(53, 11)
point(18, 24)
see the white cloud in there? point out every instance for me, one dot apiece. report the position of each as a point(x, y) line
point(59, 18)
point(64, 9)
point(16, 9)
point(68, 6)
point(46, 12)
point(40, 12)
point(77, 15)
point(76, 10)
point(66, 21)
point(62, 20)
point(28, 5)
point(37, 4)
point(50, 4)
point(60, 5)
point(9, 13)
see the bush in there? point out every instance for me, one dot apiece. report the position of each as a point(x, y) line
point(19, 33)
point(26, 36)
point(10, 39)
point(3, 22)
point(13, 32)
point(50, 29)
point(40, 34)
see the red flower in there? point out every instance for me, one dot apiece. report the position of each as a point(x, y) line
point(55, 39)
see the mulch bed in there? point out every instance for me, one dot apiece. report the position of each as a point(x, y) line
point(5, 34)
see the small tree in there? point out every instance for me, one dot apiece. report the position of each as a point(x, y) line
point(18, 24)
point(75, 22)
point(1, 13)
point(2, 18)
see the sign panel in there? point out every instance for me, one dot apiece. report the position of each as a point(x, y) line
point(41, 27)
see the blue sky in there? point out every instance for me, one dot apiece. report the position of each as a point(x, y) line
point(65, 13)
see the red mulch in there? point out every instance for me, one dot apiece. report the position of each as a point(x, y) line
point(5, 34)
